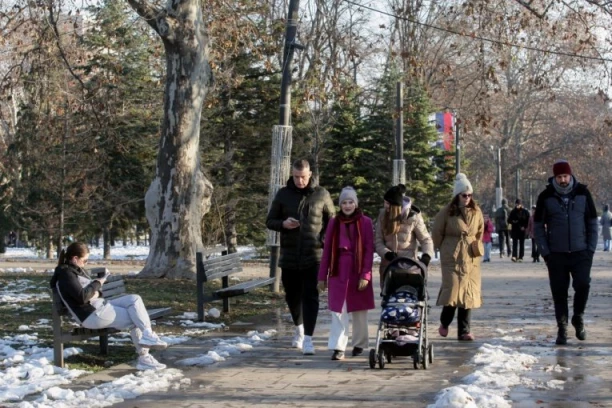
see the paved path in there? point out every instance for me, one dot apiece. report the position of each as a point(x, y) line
point(516, 297)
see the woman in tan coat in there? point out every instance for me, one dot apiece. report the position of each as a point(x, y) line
point(455, 227)
point(400, 230)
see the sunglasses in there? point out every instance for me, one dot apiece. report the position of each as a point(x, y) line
point(466, 195)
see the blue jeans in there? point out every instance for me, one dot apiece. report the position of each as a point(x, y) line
point(487, 254)
point(606, 245)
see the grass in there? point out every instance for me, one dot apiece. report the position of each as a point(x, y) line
point(178, 294)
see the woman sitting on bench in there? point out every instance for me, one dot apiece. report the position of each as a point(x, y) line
point(83, 298)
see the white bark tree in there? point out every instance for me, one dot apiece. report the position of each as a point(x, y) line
point(179, 195)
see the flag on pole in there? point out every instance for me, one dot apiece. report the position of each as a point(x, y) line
point(445, 125)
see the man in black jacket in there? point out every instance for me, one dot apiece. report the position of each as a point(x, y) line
point(301, 211)
point(519, 219)
point(565, 224)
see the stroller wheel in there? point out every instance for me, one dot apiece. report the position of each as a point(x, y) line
point(425, 359)
point(372, 358)
point(415, 361)
point(381, 359)
point(430, 353)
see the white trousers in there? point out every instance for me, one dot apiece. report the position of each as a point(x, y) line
point(125, 312)
point(339, 332)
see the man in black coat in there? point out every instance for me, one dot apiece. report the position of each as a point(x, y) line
point(301, 211)
point(565, 224)
point(519, 219)
point(501, 227)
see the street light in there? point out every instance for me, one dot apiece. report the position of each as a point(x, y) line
point(499, 192)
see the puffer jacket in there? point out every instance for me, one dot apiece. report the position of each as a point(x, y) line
point(301, 248)
point(565, 228)
point(405, 243)
point(76, 289)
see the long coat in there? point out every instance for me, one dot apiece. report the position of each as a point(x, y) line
point(461, 279)
point(413, 232)
point(343, 286)
point(606, 222)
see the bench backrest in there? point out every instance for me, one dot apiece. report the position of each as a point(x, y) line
point(218, 267)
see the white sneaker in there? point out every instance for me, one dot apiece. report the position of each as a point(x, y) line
point(151, 340)
point(148, 362)
point(298, 338)
point(308, 348)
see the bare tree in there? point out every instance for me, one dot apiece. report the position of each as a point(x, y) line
point(180, 193)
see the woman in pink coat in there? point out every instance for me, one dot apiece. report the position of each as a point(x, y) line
point(346, 270)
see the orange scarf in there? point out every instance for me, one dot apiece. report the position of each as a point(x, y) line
point(342, 219)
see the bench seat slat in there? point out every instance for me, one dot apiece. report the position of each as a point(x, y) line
point(244, 287)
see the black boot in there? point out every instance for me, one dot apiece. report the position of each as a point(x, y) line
point(561, 336)
point(578, 324)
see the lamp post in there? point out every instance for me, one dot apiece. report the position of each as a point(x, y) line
point(457, 144)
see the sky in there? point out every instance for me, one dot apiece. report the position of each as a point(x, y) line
point(28, 379)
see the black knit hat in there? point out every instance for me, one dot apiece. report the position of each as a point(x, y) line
point(395, 195)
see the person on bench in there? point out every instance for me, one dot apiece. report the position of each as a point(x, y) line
point(83, 297)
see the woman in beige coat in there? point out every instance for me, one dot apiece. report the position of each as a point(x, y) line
point(400, 230)
point(455, 227)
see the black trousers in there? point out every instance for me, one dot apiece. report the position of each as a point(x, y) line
point(518, 247)
point(561, 268)
point(503, 235)
point(302, 296)
point(535, 254)
point(464, 317)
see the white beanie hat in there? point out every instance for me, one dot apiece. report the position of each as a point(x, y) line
point(348, 193)
point(462, 185)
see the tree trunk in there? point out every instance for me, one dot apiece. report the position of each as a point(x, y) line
point(180, 194)
point(107, 243)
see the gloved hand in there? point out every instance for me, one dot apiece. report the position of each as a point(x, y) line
point(363, 283)
point(321, 286)
point(389, 256)
point(425, 259)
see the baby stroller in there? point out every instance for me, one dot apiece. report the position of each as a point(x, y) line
point(402, 329)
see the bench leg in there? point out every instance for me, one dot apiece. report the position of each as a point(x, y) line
point(104, 344)
point(225, 284)
point(58, 352)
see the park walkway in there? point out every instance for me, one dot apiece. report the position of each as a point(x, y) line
point(516, 296)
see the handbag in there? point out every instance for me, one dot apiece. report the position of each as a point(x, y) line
point(477, 248)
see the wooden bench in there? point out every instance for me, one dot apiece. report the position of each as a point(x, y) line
point(114, 287)
point(222, 267)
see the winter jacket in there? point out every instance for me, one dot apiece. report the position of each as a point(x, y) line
point(300, 248)
point(561, 227)
point(405, 243)
point(530, 228)
point(606, 223)
point(501, 217)
point(343, 286)
point(461, 279)
point(489, 228)
point(518, 218)
point(76, 288)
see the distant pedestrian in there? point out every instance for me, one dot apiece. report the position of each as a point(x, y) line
point(606, 224)
point(487, 240)
point(457, 231)
point(401, 230)
point(565, 224)
point(346, 271)
point(300, 211)
point(501, 226)
point(518, 219)
point(535, 254)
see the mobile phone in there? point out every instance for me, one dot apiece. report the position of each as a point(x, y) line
point(100, 272)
